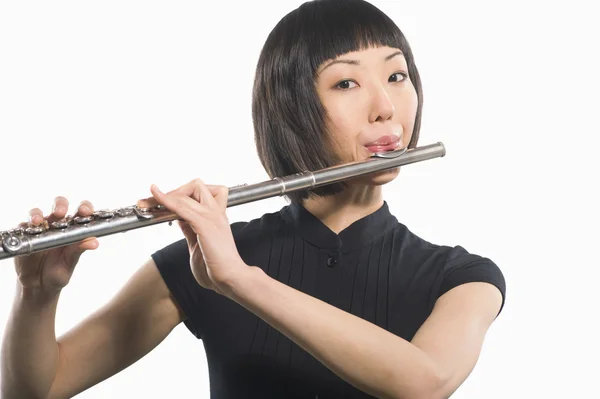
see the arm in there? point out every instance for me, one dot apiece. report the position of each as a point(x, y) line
point(434, 364)
point(36, 365)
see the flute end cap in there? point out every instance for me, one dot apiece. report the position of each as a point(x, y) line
point(443, 148)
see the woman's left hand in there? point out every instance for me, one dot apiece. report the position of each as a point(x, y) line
point(214, 258)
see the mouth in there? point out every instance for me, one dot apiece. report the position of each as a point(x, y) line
point(384, 143)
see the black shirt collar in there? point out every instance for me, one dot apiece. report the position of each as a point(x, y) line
point(358, 234)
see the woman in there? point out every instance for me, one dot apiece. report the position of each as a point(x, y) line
point(330, 296)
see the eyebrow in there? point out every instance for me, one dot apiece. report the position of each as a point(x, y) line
point(355, 62)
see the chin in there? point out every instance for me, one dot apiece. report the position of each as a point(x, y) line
point(380, 178)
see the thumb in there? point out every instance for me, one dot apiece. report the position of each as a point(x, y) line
point(74, 251)
point(221, 195)
point(189, 233)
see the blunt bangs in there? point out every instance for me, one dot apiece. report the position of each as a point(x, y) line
point(337, 27)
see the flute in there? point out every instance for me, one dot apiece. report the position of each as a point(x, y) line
point(24, 241)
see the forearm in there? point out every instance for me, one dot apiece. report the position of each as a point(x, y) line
point(363, 354)
point(29, 348)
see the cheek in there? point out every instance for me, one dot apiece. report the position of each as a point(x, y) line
point(346, 116)
point(406, 112)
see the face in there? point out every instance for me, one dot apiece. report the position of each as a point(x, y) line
point(371, 104)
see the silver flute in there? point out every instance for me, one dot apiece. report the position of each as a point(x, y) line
point(27, 240)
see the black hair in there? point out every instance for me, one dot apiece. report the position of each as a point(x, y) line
point(289, 120)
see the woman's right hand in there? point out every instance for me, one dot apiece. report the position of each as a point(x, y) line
point(51, 270)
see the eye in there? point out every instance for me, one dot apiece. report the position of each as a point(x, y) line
point(398, 77)
point(345, 85)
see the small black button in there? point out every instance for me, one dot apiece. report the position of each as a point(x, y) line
point(331, 261)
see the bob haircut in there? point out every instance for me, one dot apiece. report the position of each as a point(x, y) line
point(290, 122)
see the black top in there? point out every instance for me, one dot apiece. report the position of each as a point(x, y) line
point(376, 269)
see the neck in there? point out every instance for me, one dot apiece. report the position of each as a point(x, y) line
point(341, 210)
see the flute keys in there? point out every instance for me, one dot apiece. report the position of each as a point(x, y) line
point(82, 219)
point(34, 230)
point(125, 211)
point(104, 214)
point(13, 232)
point(61, 224)
point(143, 213)
point(12, 242)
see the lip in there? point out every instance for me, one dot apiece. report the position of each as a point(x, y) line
point(384, 140)
point(383, 148)
point(388, 142)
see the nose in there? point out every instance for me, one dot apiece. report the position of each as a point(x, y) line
point(382, 107)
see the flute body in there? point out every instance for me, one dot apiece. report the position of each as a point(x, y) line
point(23, 241)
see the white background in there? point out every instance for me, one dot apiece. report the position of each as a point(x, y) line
point(98, 100)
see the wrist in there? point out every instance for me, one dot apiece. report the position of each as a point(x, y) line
point(234, 285)
point(36, 295)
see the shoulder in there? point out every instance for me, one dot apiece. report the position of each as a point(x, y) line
point(461, 267)
point(450, 266)
point(460, 261)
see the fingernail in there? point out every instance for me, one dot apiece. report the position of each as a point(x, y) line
point(84, 208)
point(155, 187)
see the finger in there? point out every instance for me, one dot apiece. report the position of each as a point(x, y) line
point(202, 192)
point(187, 189)
point(190, 189)
point(36, 216)
point(74, 251)
point(85, 208)
point(60, 207)
point(210, 195)
point(221, 195)
point(196, 194)
point(185, 207)
point(207, 193)
point(149, 202)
